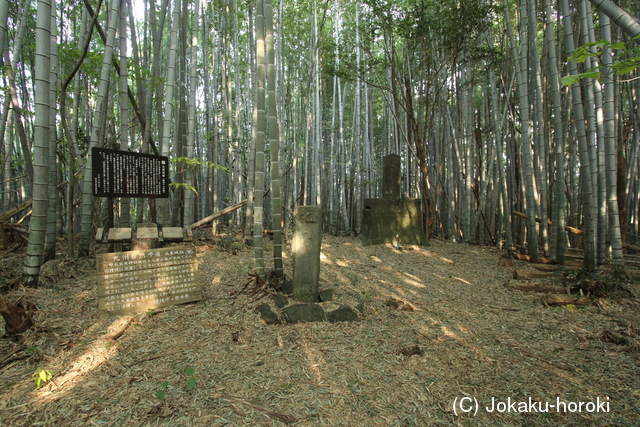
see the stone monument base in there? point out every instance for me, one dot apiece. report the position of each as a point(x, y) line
point(398, 222)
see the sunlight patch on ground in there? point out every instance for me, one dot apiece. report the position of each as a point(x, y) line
point(414, 283)
point(411, 276)
point(325, 259)
point(399, 290)
point(448, 332)
point(217, 281)
point(342, 278)
point(315, 359)
point(99, 352)
point(422, 250)
point(464, 329)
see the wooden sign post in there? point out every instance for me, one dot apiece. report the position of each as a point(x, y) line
point(136, 281)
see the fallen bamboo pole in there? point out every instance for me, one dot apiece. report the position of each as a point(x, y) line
point(218, 214)
point(14, 211)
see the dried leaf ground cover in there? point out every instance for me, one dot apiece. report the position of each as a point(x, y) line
point(454, 331)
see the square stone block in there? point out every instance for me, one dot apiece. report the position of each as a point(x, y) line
point(119, 235)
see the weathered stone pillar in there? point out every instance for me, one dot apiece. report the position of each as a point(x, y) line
point(391, 177)
point(305, 245)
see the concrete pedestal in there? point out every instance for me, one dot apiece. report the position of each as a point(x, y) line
point(305, 245)
point(394, 218)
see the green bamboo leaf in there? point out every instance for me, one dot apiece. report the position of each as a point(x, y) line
point(590, 75)
point(580, 54)
point(191, 383)
point(628, 69)
point(160, 394)
point(190, 371)
point(569, 80)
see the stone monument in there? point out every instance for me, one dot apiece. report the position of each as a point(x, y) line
point(395, 218)
point(305, 246)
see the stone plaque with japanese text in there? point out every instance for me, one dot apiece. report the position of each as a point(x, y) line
point(136, 281)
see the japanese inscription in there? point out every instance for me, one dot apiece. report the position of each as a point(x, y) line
point(135, 281)
point(126, 174)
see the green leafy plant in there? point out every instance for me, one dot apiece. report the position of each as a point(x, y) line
point(231, 244)
point(191, 380)
point(161, 394)
point(236, 246)
point(176, 185)
point(41, 376)
point(629, 63)
point(199, 162)
point(190, 384)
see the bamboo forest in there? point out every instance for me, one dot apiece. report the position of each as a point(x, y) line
point(495, 108)
point(383, 177)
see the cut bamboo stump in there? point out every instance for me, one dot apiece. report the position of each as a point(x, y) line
point(17, 319)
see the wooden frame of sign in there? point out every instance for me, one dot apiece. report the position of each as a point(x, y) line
point(136, 281)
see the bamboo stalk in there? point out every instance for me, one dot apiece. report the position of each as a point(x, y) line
point(218, 214)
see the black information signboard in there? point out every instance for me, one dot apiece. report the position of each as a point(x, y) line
point(126, 174)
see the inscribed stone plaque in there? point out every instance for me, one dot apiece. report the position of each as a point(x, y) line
point(135, 281)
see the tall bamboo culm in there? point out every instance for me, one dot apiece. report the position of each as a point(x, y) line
point(38, 226)
point(258, 209)
point(274, 143)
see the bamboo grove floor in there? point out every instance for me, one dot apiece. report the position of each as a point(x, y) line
point(464, 332)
